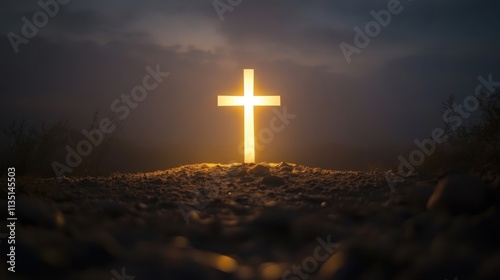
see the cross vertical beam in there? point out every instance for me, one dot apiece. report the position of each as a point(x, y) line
point(249, 101)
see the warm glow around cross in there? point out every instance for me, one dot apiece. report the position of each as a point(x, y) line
point(249, 101)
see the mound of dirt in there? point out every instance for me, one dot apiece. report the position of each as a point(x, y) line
point(256, 221)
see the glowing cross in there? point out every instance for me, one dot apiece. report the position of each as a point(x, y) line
point(248, 100)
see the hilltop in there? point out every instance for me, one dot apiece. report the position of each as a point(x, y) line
point(257, 221)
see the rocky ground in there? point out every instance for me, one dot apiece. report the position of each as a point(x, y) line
point(264, 221)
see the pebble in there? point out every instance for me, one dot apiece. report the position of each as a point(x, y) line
point(285, 167)
point(460, 194)
point(270, 203)
point(236, 172)
point(272, 181)
point(113, 208)
point(496, 183)
point(242, 199)
point(259, 170)
point(157, 181)
point(257, 227)
point(36, 212)
point(419, 195)
point(94, 249)
point(490, 269)
point(142, 206)
point(450, 170)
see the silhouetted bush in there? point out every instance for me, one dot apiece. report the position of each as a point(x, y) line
point(32, 149)
point(476, 142)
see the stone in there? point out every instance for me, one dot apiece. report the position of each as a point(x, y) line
point(157, 181)
point(419, 195)
point(236, 171)
point(94, 249)
point(270, 203)
point(490, 268)
point(142, 206)
point(272, 181)
point(496, 183)
point(259, 170)
point(36, 212)
point(450, 170)
point(112, 208)
point(283, 164)
point(285, 167)
point(460, 194)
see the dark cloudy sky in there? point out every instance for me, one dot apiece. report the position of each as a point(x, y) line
point(93, 51)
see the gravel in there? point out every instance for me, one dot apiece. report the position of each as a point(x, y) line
point(257, 221)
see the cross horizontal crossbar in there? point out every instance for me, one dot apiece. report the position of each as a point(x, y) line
point(249, 101)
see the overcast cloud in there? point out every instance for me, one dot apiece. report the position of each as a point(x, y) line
point(93, 51)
